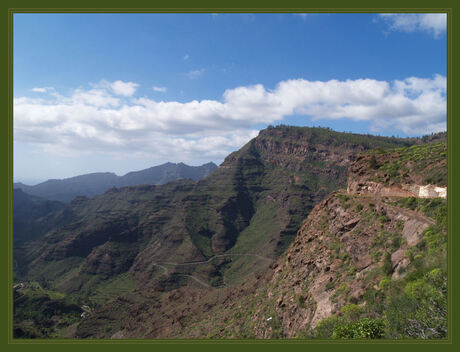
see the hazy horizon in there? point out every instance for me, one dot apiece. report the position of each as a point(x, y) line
point(35, 181)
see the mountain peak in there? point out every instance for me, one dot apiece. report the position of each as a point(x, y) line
point(92, 184)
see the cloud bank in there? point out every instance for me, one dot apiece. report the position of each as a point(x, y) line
point(109, 118)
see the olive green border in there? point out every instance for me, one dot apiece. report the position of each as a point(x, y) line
point(181, 6)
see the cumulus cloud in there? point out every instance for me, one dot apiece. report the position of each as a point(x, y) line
point(99, 120)
point(434, 23)
point(160, 89)
point(92, 97)
point(126, 89)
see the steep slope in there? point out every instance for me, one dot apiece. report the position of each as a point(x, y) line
point(33, 217)
point(215, 232)
point(89, 185)
point(100, 237)
point(360, 266)
point(30, 216)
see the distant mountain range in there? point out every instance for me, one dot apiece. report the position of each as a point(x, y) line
point(89, 185)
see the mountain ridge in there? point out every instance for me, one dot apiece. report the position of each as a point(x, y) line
point(88, 185)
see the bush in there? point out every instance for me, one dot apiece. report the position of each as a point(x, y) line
point(325, 328)
point(384, 283)
point(362, 329)
point(411, 203)
point(373, 162)
point(420, 311)
point(387, 264)
point(352, 312)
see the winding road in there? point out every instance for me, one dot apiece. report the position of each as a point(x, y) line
point(166, 270)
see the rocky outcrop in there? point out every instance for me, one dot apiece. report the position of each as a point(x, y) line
point(337, 255)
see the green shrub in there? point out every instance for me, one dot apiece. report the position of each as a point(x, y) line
point(373, 162)
point(384, 283)
point(352, 312)
point(387, 264)
point(420, 310)
point(362, 329)
point(325, 328)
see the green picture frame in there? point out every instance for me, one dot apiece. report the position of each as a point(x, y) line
point(181, 6)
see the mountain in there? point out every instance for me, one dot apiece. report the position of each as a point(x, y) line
point(182, 247)
point(89, 185)
point(361, 266)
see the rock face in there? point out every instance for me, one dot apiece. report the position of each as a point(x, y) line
point(335, 252)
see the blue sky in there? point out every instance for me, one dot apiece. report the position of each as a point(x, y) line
point(123, 92)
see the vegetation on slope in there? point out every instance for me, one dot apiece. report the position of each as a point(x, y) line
point(422, 164)
point(413, 305)
point(41, 313)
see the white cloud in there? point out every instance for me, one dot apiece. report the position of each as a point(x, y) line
point(160, 89)
point(195, 74)
point(42, 89)
point(434, 23)
point(186, 57)
point(96, 120)
point(126, 89)
point(95, 97)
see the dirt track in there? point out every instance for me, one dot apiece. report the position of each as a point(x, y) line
point(166, 270)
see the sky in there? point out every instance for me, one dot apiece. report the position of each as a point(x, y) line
point(124, 92)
